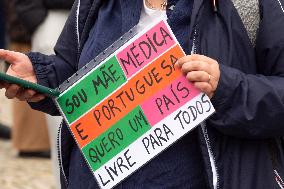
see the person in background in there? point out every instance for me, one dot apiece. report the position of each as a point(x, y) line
point(240, 146)
point(5, 131)
point(2, 26)
point(45, 19)
point(29, 129)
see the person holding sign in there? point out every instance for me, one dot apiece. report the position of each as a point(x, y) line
point(240, 146)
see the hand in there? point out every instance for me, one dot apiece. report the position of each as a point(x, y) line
point(203, 71)
point(21, 67)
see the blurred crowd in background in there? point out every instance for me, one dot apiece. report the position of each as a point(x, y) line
point(30, 25)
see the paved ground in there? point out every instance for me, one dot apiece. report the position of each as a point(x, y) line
point(19, 173)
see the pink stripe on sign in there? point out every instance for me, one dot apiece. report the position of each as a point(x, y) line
point(169, 99)
point(145, 49)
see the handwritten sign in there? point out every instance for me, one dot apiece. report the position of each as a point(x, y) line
point(133, 106)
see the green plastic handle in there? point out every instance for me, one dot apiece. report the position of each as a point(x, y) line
point(29, 85)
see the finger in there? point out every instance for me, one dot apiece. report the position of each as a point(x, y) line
point(195, 57)
point(3, 84)
point(25, 94)
point(20, 95)
point(204, 87)
point(28, 93)
point(195, 66)
point(12, 90)
point(9, 56)
point(198, 76)
point(36, 98)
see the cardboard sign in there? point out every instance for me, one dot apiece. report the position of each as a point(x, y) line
point(133, 105)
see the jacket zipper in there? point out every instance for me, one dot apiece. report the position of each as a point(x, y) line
point(279, 180)
point(59, 154)
point(281, 5)
point(204, 130)
point(211, 157)
point(59, 130)
point(194, 50)
point(77, 25)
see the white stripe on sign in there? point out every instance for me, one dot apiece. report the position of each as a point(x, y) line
point(154, 141)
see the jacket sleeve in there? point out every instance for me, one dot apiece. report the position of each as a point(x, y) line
point(52, 70)
point(31, 12)
point(249, 105)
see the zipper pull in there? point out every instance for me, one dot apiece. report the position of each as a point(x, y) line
point(215, 5)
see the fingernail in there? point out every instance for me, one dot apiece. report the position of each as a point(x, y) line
point(41, 98)
point(177, 64)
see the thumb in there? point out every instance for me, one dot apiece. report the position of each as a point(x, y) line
point(11, 57)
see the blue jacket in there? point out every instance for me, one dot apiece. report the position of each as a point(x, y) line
point(242, 144)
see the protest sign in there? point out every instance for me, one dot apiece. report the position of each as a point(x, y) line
point(129, 106)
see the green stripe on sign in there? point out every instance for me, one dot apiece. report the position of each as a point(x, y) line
point(92, 89)
point(117, 138)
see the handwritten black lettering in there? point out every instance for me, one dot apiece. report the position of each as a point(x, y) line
point(156, 74)
point(173, 61)
point(143, 84)
point(148, 79)
point(80, 131)
point(206, 101)
point(113, 73)
point(140, 88)
point(157, 138)
point(116, 167)
point(167, 101)
point(105, 77)
point(183, 90)
point(130, 95)
point(128, 62)
point(165, 34)
point(75, 101)
point(137, 121)
point(113, 107)
point(104, 183)
point(187, 116)
point(135, 55)
point(71, 105)
point(152, 44)
point(145, 49)
point(119, 96)
point(106, 112)
point(107, 143)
